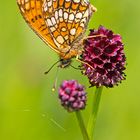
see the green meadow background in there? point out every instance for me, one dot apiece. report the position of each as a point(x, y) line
point(29, 110)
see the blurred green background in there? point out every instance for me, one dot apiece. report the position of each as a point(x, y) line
point(29, 110)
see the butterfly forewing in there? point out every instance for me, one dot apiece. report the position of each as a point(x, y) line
point(32, 13)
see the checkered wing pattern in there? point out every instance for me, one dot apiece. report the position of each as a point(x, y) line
point(60, 23)
point(32, 13)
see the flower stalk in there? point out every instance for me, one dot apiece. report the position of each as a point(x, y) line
point(93, 116)
point(82, 125)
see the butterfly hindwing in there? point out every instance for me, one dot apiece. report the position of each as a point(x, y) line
point(67, 20)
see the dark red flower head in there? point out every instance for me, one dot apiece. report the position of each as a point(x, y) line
point(72, 95)
point(105, 53)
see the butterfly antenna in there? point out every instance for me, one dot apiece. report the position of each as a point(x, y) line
point(75, 67)
point(52, 66)
point(56, 79)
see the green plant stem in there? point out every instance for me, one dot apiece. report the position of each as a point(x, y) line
point(82, 125)
point(93, 116)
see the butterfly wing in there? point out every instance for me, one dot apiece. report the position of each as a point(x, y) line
point(58, 23)
point(67, 21)
point(32, 13)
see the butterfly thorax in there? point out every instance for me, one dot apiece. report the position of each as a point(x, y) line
point(65, 63)
point(75, 48)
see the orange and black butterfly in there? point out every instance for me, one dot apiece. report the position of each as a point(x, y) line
point(61, 24)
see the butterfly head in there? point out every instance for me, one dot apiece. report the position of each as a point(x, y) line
point(65, 63)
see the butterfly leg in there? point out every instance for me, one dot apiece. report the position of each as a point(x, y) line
point(79, 60)
point(93, 36)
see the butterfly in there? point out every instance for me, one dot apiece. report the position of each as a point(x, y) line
point(61, 24)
